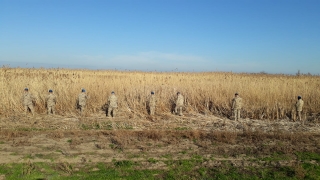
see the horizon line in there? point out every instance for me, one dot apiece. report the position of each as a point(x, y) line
point(150, 71)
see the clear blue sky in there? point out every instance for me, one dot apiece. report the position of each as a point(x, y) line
point(275, 36)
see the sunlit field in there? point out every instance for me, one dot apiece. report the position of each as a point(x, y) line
point(264, 95)
point(205, 143)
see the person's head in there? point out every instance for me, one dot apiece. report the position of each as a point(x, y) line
point(236, 94)
point(299, 97)
point(178, 93)
point(152, 92)
point(83, 90)
point(112, 92)
point(50, 91)
point(26, 89)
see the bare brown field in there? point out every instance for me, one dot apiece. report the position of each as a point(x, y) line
point(94, 146)
point(70, 145)
point(265, 96)
point(96, 136)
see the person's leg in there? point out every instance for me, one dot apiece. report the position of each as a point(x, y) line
point(114, 112)
point(53, 108)
point(239, 111)
point(109, 111)
point(82, 108)
point(235, 112)
point(180, 111)
point(299, 115)
point(25, 110)
point(152, 108)
point(49, 110)
point(31, 109)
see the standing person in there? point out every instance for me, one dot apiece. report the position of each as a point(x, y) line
point(299, 105)
point(152, 103)
point(112, 104)
point(82, 100)
point(28, 100)
point(179, 104)
point(51, 102)
point(236, 106)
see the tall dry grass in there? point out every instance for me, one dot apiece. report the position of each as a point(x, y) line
point(264, 95)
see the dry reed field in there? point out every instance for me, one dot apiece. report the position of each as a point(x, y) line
point(265, 96)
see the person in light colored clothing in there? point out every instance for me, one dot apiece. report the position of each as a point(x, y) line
point(112, 104)
point(82, 100)
point(51, 102)
point(299, 105)
point(236, 106)
point(27, 100)
point(179, 104)
point(152, 103)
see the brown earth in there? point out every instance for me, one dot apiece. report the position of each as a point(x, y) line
point(96, 138)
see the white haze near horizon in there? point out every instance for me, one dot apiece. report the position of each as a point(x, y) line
point(153, 61)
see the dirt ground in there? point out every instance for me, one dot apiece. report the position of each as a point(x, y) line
point(97, 138)
point(158, 122)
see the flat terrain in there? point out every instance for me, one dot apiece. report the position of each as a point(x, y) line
point(194, 146)
point(205, 143)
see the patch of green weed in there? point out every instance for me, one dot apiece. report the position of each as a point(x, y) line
point(124, 163)
point(181, 128)
point(307, 156)
point(168, 156)
point(152, 160)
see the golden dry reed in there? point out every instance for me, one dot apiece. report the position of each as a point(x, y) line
point(265, 96)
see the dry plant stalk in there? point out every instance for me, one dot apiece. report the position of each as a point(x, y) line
point(206, 92)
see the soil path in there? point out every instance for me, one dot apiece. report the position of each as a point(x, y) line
point(96, 138)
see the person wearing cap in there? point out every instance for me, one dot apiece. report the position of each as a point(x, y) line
point(152, 103)
point(82, 100)
point(236, 106)
point(51, 102)
point(112, 104)
point(179, 104)
point(28, 99)
point(299, 105)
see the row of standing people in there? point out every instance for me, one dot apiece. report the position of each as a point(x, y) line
point(28, 101)
point(112, 102)
point(237, 106)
